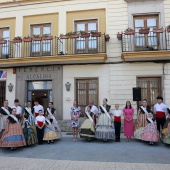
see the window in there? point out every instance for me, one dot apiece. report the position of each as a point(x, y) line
point(86, 45)
point(41, 48)
point(4, 48)
point(144, 40)
point(2, 92)
point(86, 90)
point(150, 88)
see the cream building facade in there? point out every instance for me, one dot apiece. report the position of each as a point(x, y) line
point(94, 68)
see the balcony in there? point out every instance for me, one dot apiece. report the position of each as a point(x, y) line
point(151, 46)
point(53, 50)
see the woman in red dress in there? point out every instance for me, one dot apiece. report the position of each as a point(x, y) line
point(128, 113)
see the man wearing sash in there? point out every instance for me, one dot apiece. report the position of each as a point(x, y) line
point(104, 128)
point(5, 111)
point(141, 119)
point(160, 110)
point(28, 110)
point(52, 112)
point(37, 107)
point(18, 109)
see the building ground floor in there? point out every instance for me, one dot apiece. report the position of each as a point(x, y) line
point(63, 84)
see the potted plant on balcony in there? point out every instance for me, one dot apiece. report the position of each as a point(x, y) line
point(2, 41)
point(17, 39)
point(119, 36)
point(47, 37)
point(107, 37)
point(157, 30)
point(27, 39)
point(95, 34)
point(168, 28)
point(144, 30)
point(84, 34)
point(66, 36)
point(36, 38)
point(129, 31)
point(73, 34)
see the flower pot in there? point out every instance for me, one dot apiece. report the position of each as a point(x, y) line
point(17, 40)
point(37, 38)
point(27, 39)
point(47, 38)
point(97, 34)
point(107, 37)
point(129, 32)
point(85, 35)
point(158, 30)
point(144, 31)
point(3, 41)
point(119, 36)
point(168, 29)
point(64, 36)
point(74, 36)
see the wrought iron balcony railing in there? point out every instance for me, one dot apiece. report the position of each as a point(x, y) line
point(146, 42)
point(52, 47)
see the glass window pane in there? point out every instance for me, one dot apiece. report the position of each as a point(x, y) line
point(151, 22)
point(39, 85)
point(36, 31)
point(139, 23)
point(80, 27)
point(5, 34)
point(92, 26)
point(47, 30)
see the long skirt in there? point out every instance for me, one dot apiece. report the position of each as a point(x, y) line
point(139, 126)
point(87, 130)
point(30, 135)
point(167, 139)
point(104, 128)
point(138, 133)
point(14, 137)
point(50, 134)
point(150, 133)
point(128, 128)
point(3, 121)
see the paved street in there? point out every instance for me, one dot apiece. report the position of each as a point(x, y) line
point(65, 153)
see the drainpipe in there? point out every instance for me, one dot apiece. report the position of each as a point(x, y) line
point(163, 83)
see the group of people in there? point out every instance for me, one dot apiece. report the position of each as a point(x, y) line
point(101, 123)
point(28, 126)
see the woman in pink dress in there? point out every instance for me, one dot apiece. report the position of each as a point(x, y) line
point(128, 113)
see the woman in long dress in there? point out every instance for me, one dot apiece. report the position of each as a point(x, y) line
point(87, 129)
point(104, 128)
point(128, 112)
point(166, 130)
point(141, 120)
point(29, 131)
point(150, 132)
point(75, 114)
point(50, 133)
point(13, 136)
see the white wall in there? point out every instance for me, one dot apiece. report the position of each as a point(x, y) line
point(123, 79)
point(80, 71)
point(11, 78)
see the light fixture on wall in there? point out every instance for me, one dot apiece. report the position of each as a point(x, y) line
point(10, 87)
point(68, 85)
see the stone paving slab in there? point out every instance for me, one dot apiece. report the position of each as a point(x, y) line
point(15, 163)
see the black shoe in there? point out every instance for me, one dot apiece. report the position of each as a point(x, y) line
point(52, 141)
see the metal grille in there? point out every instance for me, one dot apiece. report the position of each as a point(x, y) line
point(2, 91)
point(86, 90)
point(150, 88)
